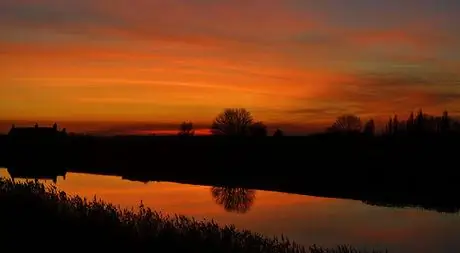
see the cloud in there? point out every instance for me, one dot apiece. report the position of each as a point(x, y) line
point(51, 12)
point(188, 22)
point(320, 112)
point(250, 29)
point(222, 23)
point(382, 94)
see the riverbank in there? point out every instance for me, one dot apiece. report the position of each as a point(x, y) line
point(394, 170)
point(33, 213)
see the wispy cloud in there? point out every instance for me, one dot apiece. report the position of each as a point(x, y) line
point(79, 82)
point(384, 94)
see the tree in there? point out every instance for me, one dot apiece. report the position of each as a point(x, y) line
point(369, 128)
point(445, 122)
point(347, 124)
point(186, 129)
point(395, 124)
point(232, 121)
point(410, 123)
point(389, 127)
point(278, 133)
point(258, 129)
point(420, 122)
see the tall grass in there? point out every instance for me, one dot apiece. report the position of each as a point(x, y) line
point(34, 215)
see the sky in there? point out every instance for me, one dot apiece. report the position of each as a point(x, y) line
point(292, 63)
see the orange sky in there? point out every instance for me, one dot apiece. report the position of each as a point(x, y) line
point(290, 62)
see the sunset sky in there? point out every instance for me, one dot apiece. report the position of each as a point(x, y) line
point(291, 62)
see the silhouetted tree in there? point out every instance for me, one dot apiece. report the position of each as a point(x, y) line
point(347, 124)
point(369, 128)
point(258, 129)
point(419, 122)
point(395, 124)
point(278, 133)
point(186, 129)
point(423, 123)
point(410, 123)
point(237, 200)
point(389, 127)
point(232, 121)
point(445, 123)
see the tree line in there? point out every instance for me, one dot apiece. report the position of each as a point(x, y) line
point(415, 124)
point(240, 122)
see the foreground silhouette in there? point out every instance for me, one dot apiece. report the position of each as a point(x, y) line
point(239, 200)
point(38, 214)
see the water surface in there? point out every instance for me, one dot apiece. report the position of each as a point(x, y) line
point(305, 219)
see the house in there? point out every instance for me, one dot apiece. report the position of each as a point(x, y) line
point(35, 145)
point(36, 132)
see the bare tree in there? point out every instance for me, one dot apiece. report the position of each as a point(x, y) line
point(186, 129)
point(258, 129)
point(346, 124)
point(232, 121)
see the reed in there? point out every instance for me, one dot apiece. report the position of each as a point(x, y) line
point(34, 212)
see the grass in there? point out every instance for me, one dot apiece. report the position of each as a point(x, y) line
point(35, 215)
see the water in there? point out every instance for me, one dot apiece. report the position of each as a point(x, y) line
point(305, 219)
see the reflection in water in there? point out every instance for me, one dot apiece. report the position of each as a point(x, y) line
point(237, 200)
point(433, 207)
point(49, 173)
point(233, 199)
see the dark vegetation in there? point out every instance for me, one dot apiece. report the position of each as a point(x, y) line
point(32, 213)
point(411, 162)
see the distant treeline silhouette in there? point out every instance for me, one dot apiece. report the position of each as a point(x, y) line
point(418, 124)
point(240, 122)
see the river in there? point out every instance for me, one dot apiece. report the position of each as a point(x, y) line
point(305, 219)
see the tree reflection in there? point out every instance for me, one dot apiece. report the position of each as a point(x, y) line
point(237, 200)
point(438, 207)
